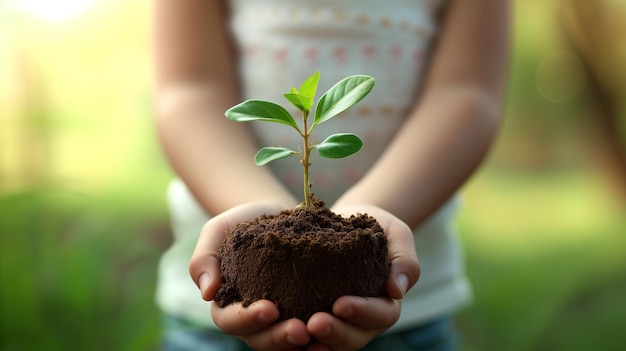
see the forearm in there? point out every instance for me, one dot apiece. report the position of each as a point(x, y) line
point(431, 157)
point(196, 82)
point(213, 156)
point(454, 121)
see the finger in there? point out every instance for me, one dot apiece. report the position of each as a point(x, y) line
point(336, 334)
point(289, 334)
point(254, 325)
point(373, 313)
point(235, 319)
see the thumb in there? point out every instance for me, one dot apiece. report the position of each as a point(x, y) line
point(405, 268)
point(204, 266)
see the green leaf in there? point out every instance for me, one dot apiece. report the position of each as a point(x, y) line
point(342, 96)
point(269, 154)
point(309, 86)
point(303, 99)
point(303, 103)
point(251, 110)
point(339, 145)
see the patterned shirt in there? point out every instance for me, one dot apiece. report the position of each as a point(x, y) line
point(282, 42)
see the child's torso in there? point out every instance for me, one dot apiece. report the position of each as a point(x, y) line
point(282, 42)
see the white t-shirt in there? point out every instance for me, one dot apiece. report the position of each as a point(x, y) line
point(281, 43)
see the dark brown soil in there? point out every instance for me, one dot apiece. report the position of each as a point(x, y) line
point(303, 260)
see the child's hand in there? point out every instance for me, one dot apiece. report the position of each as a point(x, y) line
point(255, 324)
point(356, 320)
point(204, 266)
point(405, 268)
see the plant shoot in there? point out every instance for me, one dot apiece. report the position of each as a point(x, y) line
point(343, 95)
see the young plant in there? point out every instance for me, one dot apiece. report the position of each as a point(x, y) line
point(343, 95)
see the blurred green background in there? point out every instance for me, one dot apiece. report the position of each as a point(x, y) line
point(82, 178)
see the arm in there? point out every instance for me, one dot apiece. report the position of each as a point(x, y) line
point(196, 82)
point(195, 85)
point(441, 144)
point(455, 118)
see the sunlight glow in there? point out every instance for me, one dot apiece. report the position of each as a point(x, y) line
point(58, 10)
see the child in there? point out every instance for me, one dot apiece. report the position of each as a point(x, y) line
point(428, 123)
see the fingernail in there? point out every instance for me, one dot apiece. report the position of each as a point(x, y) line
point(204, 281)
point(403, 282)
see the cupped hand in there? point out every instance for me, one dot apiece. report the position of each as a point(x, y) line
point(355, 320)
point(358, 320)
point(204, 265)
point(254, 324)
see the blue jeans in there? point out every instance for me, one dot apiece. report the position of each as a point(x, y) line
point(437, 335)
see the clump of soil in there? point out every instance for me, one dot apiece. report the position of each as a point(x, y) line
point(303, 260)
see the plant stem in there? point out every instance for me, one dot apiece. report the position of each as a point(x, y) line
point(306, 163)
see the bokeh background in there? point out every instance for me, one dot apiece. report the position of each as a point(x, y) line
point(82, 179)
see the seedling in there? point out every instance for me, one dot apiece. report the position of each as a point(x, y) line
point(343, 95)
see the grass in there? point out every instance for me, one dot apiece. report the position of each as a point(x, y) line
point(546, 255)
point(75, 274)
